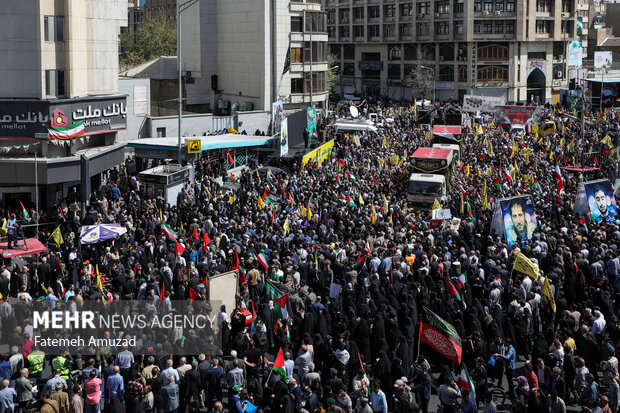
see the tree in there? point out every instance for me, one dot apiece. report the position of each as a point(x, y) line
point(155, 36)
point(332, 72)
point(421, 79)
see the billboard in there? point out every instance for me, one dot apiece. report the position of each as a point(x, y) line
point(601, 201)
point(575, 54)
point(277, 113)
point(519, 218)
point(473, 103)
point(602, 60)
point(284, 137)
point(513, 114)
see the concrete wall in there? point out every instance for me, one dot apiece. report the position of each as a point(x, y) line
point(137, 112)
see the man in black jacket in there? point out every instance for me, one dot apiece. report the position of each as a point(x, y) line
point(193, 387)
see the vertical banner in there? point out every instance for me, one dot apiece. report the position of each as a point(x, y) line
point(575, 50)
point(311, 121)
point(519, 218)
point(284, 137)
point(277, 112)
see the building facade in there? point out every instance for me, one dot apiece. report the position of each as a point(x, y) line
point(234, 59)
point(60, 71)
point(514, 49)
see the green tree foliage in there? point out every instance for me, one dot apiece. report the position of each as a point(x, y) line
point(155, 36)
point(332, 72)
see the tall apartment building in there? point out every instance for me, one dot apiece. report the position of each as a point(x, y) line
point(234, 51)
point(167, 8)
point(514, 49)
point(60, 67)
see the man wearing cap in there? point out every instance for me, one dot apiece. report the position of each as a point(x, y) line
point(332, 407)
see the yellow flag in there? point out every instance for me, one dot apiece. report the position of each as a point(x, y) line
point(99, 284)
point(386, 206)
point(302, 212)
point(161, 216)
point(309, 213)
point(285, 226)
point(550, 155)
point(44, 289)
point(77, 207)
point(390, 220)
point(261, 203)
point(516, 166)
point(485, 202)
point(231, 199)
point(526, 266)
point(436, 205)
point(4, 225)
point(361, 199)
point(479, 130)
point(514, 148)
point(546, 291)
point(374, 213)
point(57, 236)
point(208, 193)
point(467, 171)
point(478, 170)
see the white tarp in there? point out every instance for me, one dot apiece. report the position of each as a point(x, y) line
point(91, 234)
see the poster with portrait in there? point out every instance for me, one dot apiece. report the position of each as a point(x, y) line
point(601, 200)
point(277, 113)
point(311, 121)
point(519, 218)
point(284, 138)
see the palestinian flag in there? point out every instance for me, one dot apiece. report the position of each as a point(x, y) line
point(462, 280)
point(263, 261)
point(68, 132)
point(537, 187)
point(465, 382)
point(350, 202)
point(497, 184)
point(168, 231)
point(193, 295)
point(280, 305)
point(441, 336)
point(24, 211)
point(350, 177)
point(361, 260)
point(454, 293)
point(278, 366)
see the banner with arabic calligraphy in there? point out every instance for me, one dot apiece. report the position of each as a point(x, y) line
point(26, 119)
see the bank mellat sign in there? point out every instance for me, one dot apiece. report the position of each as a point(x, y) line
point(27, 118)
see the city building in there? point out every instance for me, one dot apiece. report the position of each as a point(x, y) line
point(59, 71)
point(157, 8)
point(234, 52)
point(514, 49)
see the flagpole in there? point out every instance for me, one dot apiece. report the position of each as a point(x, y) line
point(419, 338)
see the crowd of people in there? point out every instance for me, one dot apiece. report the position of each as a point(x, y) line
point(358, 270)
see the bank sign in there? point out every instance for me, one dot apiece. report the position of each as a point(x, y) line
point(27, 118)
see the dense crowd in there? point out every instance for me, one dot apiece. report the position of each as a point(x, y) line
point(360, 269)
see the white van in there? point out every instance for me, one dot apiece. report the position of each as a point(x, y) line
point(357, 126)
point(424, 188)
point(456, 150)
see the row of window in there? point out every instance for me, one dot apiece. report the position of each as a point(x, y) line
point(440, 28)
point(319, 53)
point(488, 27)
point(313, 22)
point(302, 85)
point(445, 74)
point(486, 52)
point(497, 5)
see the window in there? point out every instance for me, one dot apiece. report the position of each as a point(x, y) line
point(567, 6)
point(477, 5)
point(537, 55)
point(499, 6)
point(510, 27)
point(388, 30)
point(349, 53)
point(510, 5)
point(297, 85)
point(424, 8)
point(55, 83)
point(543, 26)
point(374, 12)
point(493, 52)
point(344, 31)
point(358, 13)
point(315, 22)
point(492, 74)
point(394, 53)
point(487, 27)
point(477, 27)
point(446, 74)
point(373, 31)
point(296, 56)
point(318, 52)
point(389, 10)
point(406, 10)
point(318, 82)
point(462, 73)
point(543, 6)
point(410, 52)
point(393, 71)
point(458, 28)
point(499, 27)
point(458, 6)
point(296, 24)
point(442, 28)
point(161, 132)
point(358, 31)
point(488, 5)
point(423, 29)
point(54, 27)
point(404, 29)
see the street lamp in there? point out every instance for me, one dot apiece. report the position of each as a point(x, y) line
point(181, 7)
point(434, 80)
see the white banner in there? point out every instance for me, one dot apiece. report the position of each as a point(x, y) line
point(473, 103)
point(603, 60)
point(284, 137)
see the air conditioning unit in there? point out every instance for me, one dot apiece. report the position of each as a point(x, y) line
point(559, 73)
point(486, 13)
point(437, 15)
point(498, 12)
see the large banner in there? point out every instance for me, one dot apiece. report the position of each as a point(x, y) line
point(601, 201)
point(319, 155)
point(575, 54)
point(473, 103)
point(603, 60)
point(519, 218)
point(284, 137)
point(311, 121)
point(513, 114)
point(277, 114)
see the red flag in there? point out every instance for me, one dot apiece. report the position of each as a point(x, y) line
point(193, 295)
point(235, 260)
point(206, 240)
point(230, 158)
point(242, 279)
point(281, 301)
point(162, 296)
point(205, 281)
point(361, 259)
point(178, 248)
point(391, 266)
point(63, 293)
point(195, 234)
point(595, 161)
point(273, 216)
point(266, 192)
point(374, 181)
point(582, 220)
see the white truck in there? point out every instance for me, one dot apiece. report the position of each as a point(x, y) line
point(423, 189)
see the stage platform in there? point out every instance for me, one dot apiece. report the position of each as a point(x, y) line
point(34, 246)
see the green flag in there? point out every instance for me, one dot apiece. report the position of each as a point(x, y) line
point(287, 61)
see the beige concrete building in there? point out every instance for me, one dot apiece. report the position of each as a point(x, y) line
point(514, 49)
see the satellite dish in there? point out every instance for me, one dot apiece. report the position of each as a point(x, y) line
point(353, 111)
